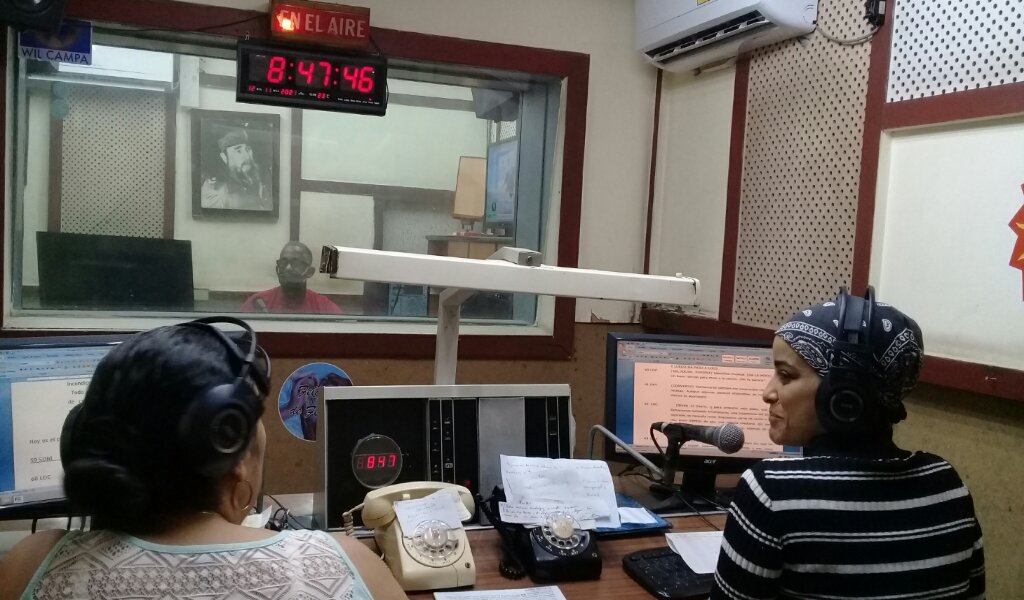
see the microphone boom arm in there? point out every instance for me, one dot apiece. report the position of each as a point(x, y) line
point(657, 472)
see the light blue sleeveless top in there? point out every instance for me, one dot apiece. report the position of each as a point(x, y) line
point(103, 564)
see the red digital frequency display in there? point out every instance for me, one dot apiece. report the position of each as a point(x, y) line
point(376, 461)
point(311, 79)
point(369, 462)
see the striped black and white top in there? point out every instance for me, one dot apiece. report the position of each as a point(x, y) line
point(845, 526)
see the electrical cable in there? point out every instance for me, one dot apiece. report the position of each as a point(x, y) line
point(349, 521)
point(510, 566)
point(204, 28)
point(847, 42)
point(289, 519)
point(698, 513)
point(713, 503)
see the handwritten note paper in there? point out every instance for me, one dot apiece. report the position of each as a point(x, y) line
point(464, 514)
point(536, 512)
point(571, 481)
point(440, 507)
point(534, 593)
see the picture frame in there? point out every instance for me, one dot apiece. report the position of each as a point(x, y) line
point(235, 165)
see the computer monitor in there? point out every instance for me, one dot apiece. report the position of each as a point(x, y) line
point(700, 381)
point(502, 186)
point(40, 380)
point(108, 272)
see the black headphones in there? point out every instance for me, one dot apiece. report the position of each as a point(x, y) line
point(847, 399)
point(216, 428)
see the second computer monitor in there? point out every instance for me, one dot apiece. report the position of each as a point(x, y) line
point(109, 272)
point(41, 379)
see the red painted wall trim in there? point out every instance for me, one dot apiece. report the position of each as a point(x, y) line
point(733, 190)
point(878, 77)
point(974, 377)
point(654, 169)
point(666, 321)
point(165, 15)
point(982, 103)
point(572, 66)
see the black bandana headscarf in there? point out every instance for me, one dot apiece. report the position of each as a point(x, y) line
point(897, 348)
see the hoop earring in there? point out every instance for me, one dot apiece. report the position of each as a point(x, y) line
point(251, 495)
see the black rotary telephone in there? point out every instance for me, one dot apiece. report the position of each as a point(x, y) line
point(559, 550)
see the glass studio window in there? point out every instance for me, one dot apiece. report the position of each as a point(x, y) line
point(143, 191)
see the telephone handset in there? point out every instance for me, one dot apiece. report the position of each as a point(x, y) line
point(559, 550)
point(430, 557)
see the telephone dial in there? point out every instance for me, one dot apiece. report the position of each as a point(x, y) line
point(432, 556)
point(558, 550)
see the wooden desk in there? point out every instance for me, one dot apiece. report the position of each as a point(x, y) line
point(465, 246)
point(614, 582)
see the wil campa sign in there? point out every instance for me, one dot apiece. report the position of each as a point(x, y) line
point(71, 43)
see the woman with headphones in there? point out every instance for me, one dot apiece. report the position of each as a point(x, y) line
point(166, 454)
point(856, 516)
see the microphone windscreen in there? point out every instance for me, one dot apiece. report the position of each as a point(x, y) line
point(730, 438)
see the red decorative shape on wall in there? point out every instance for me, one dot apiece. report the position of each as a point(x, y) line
point(1017, 258)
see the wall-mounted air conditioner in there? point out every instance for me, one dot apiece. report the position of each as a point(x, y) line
point(680, 35)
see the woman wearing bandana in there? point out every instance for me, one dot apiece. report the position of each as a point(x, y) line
point(856, 516)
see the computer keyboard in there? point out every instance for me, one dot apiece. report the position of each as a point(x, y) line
point(665, 574)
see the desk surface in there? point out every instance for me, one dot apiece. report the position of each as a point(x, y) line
point(614, 582)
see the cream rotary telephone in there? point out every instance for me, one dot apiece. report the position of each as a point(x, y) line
point(430, 557)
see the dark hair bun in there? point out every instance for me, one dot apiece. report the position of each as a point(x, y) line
point(106, 490)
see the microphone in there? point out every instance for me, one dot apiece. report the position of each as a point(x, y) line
point(728, 438)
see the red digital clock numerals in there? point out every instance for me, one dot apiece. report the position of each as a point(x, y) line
point(360, 78)
point(376, 461)
point(369, 462)
point(319, 74)
point(312, 79)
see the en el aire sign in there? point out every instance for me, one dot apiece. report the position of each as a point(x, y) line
point(320, 23)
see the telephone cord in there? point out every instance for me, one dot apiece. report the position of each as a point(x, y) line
point(349, 521)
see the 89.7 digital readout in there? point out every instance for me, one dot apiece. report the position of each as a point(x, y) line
point(292, 77)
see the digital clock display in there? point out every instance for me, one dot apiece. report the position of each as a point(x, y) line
point(376, 461)
point(311, 79)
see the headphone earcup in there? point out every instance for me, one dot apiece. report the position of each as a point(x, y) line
point(216, 428)
point(842, 401)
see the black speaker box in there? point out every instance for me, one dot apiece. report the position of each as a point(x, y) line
point(43, 15)
point(496, 105)
point(451, 433)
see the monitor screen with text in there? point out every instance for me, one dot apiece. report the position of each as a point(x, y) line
point(699, 381)
point(40, 380)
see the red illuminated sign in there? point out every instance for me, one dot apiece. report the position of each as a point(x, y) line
point(320, 23)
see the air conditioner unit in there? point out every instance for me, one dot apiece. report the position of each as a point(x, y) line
point(680, 35)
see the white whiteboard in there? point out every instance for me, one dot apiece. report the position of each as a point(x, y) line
point(942, 240)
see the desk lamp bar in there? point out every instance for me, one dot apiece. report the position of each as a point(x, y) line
point(512, 270)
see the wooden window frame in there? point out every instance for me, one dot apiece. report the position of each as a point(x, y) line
point(573, 68)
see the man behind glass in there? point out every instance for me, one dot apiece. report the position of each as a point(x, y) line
point(294, 267)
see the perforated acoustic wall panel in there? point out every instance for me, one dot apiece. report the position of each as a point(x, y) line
point(112, 166)
point(801, 168)
point(943, 46)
